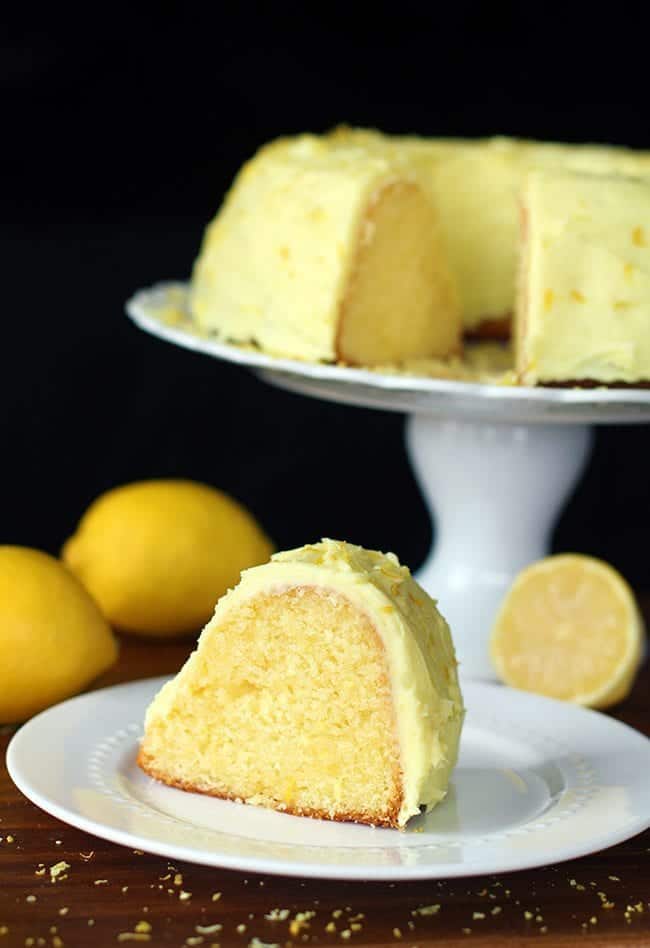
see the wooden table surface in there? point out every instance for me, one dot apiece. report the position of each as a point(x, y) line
point(110, 895)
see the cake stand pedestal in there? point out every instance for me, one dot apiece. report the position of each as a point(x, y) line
point(494, 492)
point(495, 463)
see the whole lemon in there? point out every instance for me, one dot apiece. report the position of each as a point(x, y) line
point(55, 640)
point(156, 555)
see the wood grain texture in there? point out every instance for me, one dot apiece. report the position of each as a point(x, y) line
point(109, 891)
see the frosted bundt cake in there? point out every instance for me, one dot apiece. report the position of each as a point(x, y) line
point(325, 685)
point(327, 251)
point(583, 310)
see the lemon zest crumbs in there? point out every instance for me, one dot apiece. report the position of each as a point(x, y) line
point(426, 910)
point(277, 915)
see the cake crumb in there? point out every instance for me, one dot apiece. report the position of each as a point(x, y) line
point(337, 913)
point(57, 870)
point(614, 878)
point(241, 928)
point(397, 933)
point(101, 882)
point(30, 898)
point(87, 856)
point(216, 896)
point(496, 910)
point(528, 916)
point(208, 929)
point(184, 896)
point(256, 943)
point(478, 915)
point(125, 888)
point(277, 915)
point(143, 927)
point(194, 940)
point(64, 910)
point(178, 879)
point(346, 933)
point(427, 910)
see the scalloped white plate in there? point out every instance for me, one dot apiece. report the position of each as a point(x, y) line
point(538, 782)
point(149, 309)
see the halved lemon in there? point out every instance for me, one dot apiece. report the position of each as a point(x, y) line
point(569, 628)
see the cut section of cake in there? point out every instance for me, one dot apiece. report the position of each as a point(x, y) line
point(583, 309)
point(325, 250)
point(325, 685)
point(475, 187)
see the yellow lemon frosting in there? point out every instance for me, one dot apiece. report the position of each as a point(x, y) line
point(584, 298)
point(327, 250)
point(417, 650)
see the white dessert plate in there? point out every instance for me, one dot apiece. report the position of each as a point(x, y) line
point(538, 782)
point(150, 310)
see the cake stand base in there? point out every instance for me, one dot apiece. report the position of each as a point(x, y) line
point(495, 492)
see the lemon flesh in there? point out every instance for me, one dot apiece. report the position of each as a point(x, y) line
point(55, 640)
point(569, 628)
point(157, 555)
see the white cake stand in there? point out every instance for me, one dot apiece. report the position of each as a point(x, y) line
point(495, 463)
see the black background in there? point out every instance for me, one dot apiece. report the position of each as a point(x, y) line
point(121, 134)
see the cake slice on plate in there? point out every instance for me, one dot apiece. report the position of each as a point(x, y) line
point(325, 685)
point(327, 250)
point(583, 307)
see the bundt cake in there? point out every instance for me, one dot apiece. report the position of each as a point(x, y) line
point(325, 685)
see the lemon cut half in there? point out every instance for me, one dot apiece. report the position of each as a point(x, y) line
point(569, 628)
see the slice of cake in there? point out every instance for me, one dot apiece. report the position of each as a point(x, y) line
point(327, 250)
point(583, 310)
point(325, 685)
